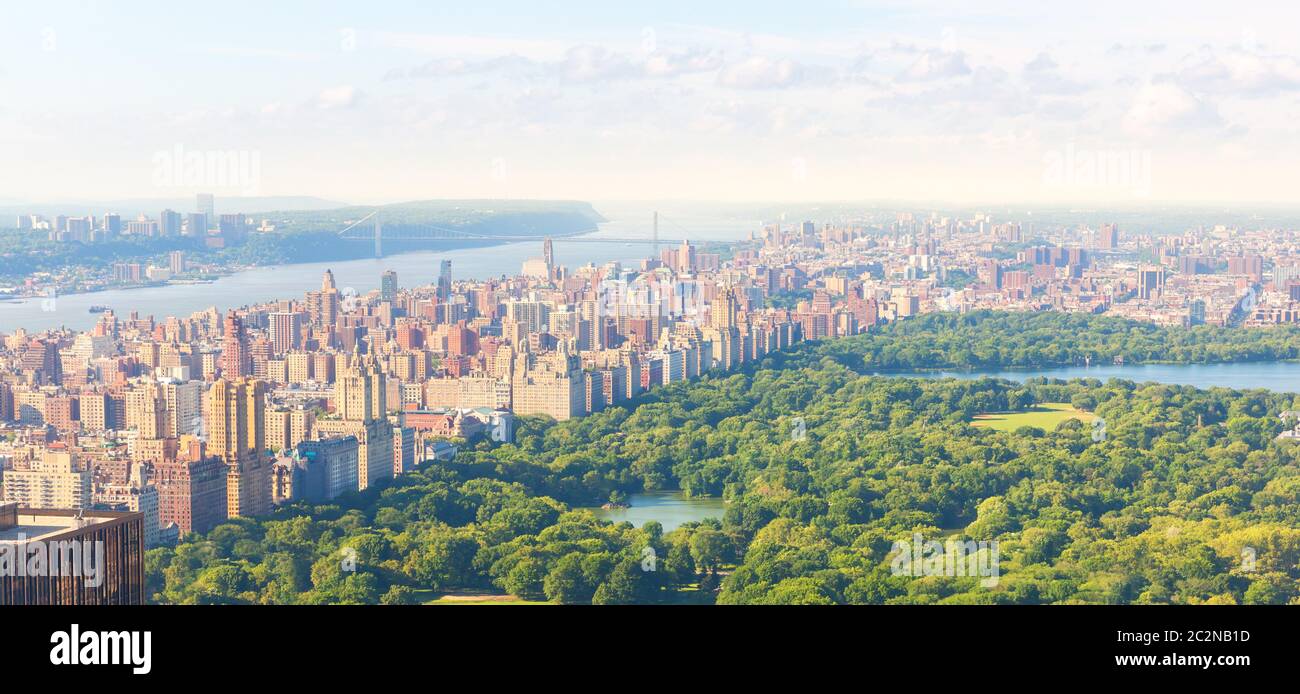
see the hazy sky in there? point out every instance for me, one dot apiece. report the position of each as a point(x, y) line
point(795, 100)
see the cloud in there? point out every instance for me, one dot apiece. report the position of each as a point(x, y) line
point(458, 67)
point(1043, 76)
point(1240, 72)
point(672, 64)
point(935, 65)
point(588, 63)
point(344, 96)
point(1149, 49)
point(760, 72)
point(1165, 106)
point(581, 63)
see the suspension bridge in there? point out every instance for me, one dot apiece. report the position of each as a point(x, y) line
point(371, 228)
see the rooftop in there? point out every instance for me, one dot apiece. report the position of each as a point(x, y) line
point(42, 524)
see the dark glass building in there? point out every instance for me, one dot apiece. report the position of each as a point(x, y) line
point(62, 557)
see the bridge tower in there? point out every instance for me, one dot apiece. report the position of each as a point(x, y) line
point(379, 233)
point(654, 239)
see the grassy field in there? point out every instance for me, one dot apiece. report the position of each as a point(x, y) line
point(461, 598)
point(1045, 416)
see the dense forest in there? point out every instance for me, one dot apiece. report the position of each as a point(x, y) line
point(1188, 497)
point(987, 339)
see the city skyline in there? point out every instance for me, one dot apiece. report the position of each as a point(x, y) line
point(842, 101)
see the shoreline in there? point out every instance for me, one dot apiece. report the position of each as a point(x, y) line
point(209, 278)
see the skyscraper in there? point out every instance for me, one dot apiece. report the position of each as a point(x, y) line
point(388, 286)
point(360, 403)
point(444, 280)
point(235, 358)
point(723, 310)
point(112, 225)
point(1151, 279)
point(56, 480)
point(196, 224)
point(119, 537)
point(285, 330)
point(236, 419)
point(169, 223)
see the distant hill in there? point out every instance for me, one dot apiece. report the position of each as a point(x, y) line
point(450, 213)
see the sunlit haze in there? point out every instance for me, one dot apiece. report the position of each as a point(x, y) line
point(360, 103)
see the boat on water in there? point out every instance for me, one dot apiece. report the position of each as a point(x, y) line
point(98, 309)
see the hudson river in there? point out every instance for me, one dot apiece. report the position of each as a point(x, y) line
point(413, 269)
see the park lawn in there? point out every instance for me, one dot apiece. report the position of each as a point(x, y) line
point(1045, 416)
point(467, 598)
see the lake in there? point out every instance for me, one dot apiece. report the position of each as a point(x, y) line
point(671, 509)
point(1278, 376)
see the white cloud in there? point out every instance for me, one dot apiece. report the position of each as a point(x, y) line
point(1240, 72)
point(458, 67)
point(588, 63)
point(936, 65)
point(672, 64)
point(1165, 106)
point(1043, 76)
point(760, 72)
point(343, 96)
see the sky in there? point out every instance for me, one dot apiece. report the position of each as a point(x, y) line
point(1096, 103)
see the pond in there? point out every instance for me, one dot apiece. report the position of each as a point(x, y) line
point(671, 509)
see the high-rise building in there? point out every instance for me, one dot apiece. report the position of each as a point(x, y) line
point(146, 411)
point(1108, 237)
point(360, 406)
point(1251, 266)
point(388, 286)
point(444, 280)
point(183, 407)
point(196, 224)
point(236, 361)
point(169, 223)
point(112, 542)
point(286, 328)
point(55, 481)
point(236, 423)
point(533, 315)
point(330, 466)
point(723, 312)
point(1150, 280)
point(191, 493)
point(112, 226)
point(686, 257)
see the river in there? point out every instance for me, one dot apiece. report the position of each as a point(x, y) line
point(413, 269)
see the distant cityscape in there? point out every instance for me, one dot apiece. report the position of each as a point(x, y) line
point(204, 225)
